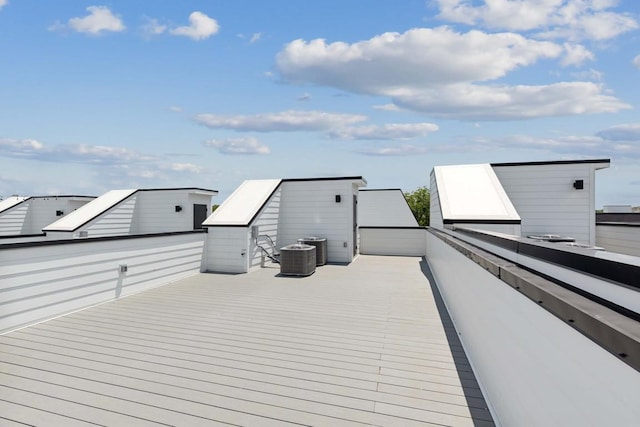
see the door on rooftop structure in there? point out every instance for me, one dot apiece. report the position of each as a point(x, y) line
point(355, 225)
point(199, 215)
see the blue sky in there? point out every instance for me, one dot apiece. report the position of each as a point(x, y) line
point(145, 94)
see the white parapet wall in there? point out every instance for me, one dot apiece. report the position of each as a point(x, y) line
point(619, 238)
point(533, 368)
point(397, 241)
point(43, 280)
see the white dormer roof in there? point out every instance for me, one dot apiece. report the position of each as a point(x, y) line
point(91, 210)
point(244, 203)
point(472, 193)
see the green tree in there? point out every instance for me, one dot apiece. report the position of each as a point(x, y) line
point(418, 201)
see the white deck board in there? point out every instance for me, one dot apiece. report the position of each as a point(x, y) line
point(362, 344)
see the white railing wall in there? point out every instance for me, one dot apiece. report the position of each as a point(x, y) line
point(400, 241)
point(532, 367)
point(619, 238)
point(44, 280)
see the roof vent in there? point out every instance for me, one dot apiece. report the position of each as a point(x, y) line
point(297, 260)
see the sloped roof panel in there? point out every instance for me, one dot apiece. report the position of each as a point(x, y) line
point(88, 212)
point(10, 202)
point(473, 192)
point(243, 204)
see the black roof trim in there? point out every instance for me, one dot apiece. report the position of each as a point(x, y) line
point(96, 239)
point(331, 178)
point(17, 236)
point(618, 224)
point(381, 189)
point(626, 274)
point(482, 221)
point(178, 188)
point(392, 227)
point(552, 162)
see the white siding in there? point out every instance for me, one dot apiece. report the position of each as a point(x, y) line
point(45, 281)
point(12, 220)
point(308, 208)
point(267, 223)
point(435, 213)
point(115, 222)
point(545, 198)
point(384, 208)
point(227, 248)
point(155, 210)
point(393, 241)
point(620, 239)
point(42, 211)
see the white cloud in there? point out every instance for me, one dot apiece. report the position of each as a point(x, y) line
point(175, 109)
point(421, 57)
point(576, 54)
point(636, 62)
point(627, 132)
point(475, 102)
point(621, 142)
point(396, 150)
point(20, 147)
point(568, 19)
point(393, 131)
point(99, 20)
point(246, 145)
point(386, 107)
point(446, 74)
point(3, 3)
point(185, 167)
point(255, 37)
point(200, 27)
point(285, 121)
point(152, 27)
point(80, 153)
point(304, 97)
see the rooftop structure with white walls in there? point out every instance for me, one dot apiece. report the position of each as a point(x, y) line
point(136, 211)
point(24, 216)
point(261, 216)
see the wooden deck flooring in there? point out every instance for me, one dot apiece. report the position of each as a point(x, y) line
point(363, 344)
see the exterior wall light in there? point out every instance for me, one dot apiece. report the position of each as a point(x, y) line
point(178, 208)
point(338, 198)
point(578, 184)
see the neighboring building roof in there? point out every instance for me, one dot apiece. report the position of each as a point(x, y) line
point(10, 202)
point(244, 203)
point(86, 213)
point(473, 193)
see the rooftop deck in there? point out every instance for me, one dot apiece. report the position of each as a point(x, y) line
point(364, 344)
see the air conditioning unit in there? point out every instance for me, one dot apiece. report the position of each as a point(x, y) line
point(321, 248)
point(297, 260)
